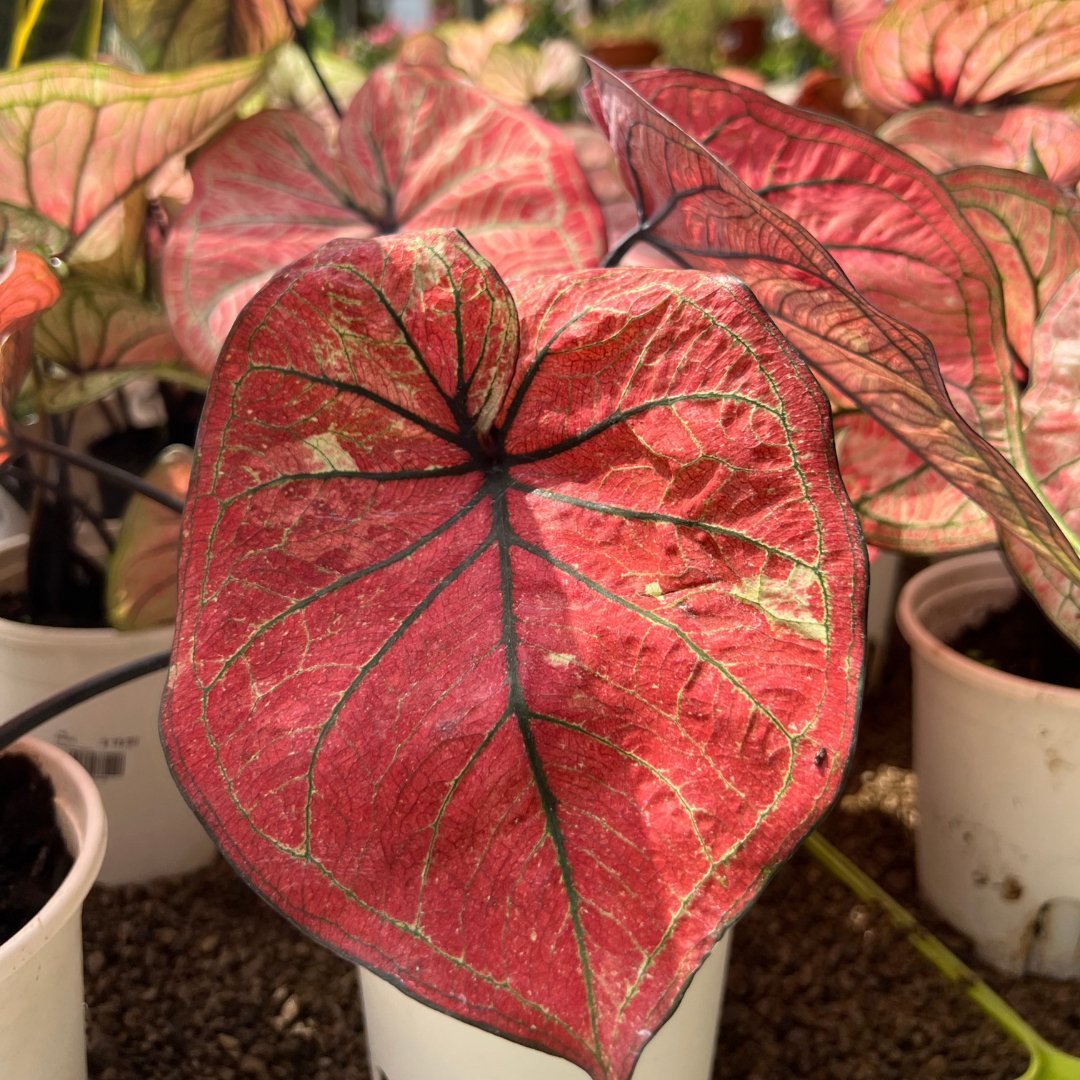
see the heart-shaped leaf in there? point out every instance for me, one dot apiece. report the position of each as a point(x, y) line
point(969, 52)
point(517, 643)
point(98, 337)
point(695, 208)
point(1051, 406)
point(27, 288)
point(140, 585)
point(1028, 138)
point(173, 34)
point(76, 138)
point(1031, 228)
point(418, 148)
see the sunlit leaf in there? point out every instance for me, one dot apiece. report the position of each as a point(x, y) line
point(77, 138)
point(418, 148)
point(518, 642)
point(903, 241)
point(140, 586)
point(835, 26)
point(943, 138)
point(172, 34)
point(969, 52)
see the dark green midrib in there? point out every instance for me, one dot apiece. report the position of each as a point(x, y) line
point(504, 539)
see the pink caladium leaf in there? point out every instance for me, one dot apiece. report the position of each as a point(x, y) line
point(172, 34)
point(418, 148)
point(1031, 228)
point(1051, 407)
point(1028, 138)
point(835, 26)
point(27, 288)
point(969, 52)
point(519, 636)
point(692, 206)
point(140, 585)
point(98, 337)
point(76, 138)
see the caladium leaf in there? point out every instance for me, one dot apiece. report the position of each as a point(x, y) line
point(691, 205)
point(1051, 406)
point(76, 138)
point(969, 52)
point(98, 337)
point(835, 26)
point(140, 585)
point(1031, 228)
point(418, 148)
point(173, 34)
point(1024, 137)
point(27, 288)
point(516, 643)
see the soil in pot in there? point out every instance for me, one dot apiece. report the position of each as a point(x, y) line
point(1019, 640)
point(34, 860)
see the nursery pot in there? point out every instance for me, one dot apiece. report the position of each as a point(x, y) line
point(410, 1041)
point(152, 832)
point(998, 764)
point(42, 1025)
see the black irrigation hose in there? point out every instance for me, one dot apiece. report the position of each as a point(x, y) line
point(26, 721)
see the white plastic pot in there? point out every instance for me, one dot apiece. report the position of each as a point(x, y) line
point(42, 1021)
point(114, 735)
point(998, 764)
point(410, 1041)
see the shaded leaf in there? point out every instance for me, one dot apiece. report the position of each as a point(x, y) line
point(140, 585)
point(53, 28)
point(418, 148)
point(1031, 228)
point(515, 647)
point(98, 337)
point(1051, 406)
point(942, 138)
point(969, 52)
point(173, 34)
point(27, 288)
point(76, 138)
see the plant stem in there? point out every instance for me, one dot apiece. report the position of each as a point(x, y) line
point(84, 508)
point(99, 468)
point(25, 722)
point(301, 40)
point(930, 947)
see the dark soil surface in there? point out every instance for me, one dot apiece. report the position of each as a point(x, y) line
point(33, 856)
point(201, 981)
point(1020, 641)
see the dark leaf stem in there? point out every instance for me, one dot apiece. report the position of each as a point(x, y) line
point(301, 39)
point(99, 468)
point(26, 721)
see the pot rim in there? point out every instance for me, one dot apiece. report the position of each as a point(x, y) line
point(81, 817)
point(976, 574)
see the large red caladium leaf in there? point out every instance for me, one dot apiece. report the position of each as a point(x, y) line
point(1028, 138)
point(76, 138)
point(1051, 406)
point(172, 34)
point(969, 52)
point(517, 642)
point(418, 148)
point(1031, 228)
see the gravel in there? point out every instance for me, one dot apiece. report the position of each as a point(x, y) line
point(196, 979)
